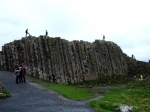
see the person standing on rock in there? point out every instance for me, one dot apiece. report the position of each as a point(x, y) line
point(46, 34)
point(103, 37)
point(27, 32)
point(133, 57)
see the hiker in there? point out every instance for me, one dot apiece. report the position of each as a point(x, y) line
point(23, 73)
point(103, 37)
point(46, 34)
point(133, 57)
point(134, 77)
point(27, 32)
point(17, 73)
point(141, 78)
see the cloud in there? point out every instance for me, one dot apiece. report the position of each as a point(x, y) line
point(123, 22)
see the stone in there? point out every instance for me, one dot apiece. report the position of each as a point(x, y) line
point(60, 61)
point(2, 95)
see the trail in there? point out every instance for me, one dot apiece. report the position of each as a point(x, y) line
point(30, 97)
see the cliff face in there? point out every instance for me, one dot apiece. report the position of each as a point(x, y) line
point(58, 60)
point(138, 68)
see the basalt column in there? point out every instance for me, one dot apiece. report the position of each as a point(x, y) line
point(60, 61)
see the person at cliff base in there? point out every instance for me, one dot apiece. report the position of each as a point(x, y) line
point(17, 73)
point(141, 78)
point(23, 73)
point(134, 77)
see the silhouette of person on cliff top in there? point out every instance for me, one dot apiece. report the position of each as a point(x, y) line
point(46, 34)
point(27, 32)
point(133, 57)
point(103, 37)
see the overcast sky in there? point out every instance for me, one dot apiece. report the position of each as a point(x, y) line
point(125, 22)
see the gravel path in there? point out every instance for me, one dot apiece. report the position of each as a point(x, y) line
point(30, 97)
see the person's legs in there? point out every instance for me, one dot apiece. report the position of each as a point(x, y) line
point(20, 78)
point(17, 79)
point(24, 79)
point(29, 34)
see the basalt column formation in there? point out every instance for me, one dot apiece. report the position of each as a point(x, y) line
point(61, 61)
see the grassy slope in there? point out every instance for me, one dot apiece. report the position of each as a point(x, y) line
point(72, 92)
point(136, 95)
point(68, 91)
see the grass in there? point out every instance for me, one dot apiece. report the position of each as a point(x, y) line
point(74, 92)
point(7, 93)
point(136, 94)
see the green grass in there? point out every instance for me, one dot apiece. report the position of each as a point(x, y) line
point(74, 92)
point(136, 94)
point(7, 93)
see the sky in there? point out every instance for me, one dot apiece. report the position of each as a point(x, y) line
point(125, 22)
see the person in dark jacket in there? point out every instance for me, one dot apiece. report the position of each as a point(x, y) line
point(46, 34)
point(27, 32)
point(23, 73)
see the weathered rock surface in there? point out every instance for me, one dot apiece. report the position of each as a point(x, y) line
point(138, 68)
point(58, 60)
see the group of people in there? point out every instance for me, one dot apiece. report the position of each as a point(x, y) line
point(27, 33)
point(135, 78)
point(20, 73)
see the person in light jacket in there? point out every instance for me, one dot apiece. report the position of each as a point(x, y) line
point(17, 73)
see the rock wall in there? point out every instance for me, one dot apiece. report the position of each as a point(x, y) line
point(138, 68)
point(58, 60)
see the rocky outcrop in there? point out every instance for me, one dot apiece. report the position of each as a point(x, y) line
point(58, 60)
point(138, 68)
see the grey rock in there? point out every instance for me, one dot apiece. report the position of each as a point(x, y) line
point(60, 61)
